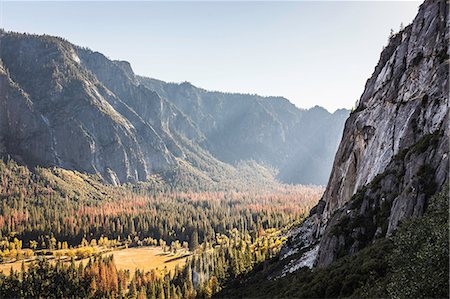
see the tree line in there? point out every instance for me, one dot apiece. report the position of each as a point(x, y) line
point(203, 275)
point(37, 211)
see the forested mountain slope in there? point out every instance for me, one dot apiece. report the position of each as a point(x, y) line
point(66, 106)
point(412, 263)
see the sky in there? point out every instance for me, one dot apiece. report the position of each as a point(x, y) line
point(312, 53)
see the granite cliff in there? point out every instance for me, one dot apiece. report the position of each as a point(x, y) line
point(393, 155)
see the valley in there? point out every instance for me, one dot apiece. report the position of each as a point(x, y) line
point(139, 229)
point(117, 185)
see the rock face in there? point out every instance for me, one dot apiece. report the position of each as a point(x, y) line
point(86, 126)
point(394, 152)
point(24, 129)
point(66, 106)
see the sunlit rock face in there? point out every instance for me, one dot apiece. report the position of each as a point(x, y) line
point(394, 151)
point(405, 99)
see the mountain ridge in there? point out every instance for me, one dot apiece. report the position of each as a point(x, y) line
point(98, 116)
point(289, 122)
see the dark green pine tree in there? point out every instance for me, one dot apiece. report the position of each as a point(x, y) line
point(194, 241)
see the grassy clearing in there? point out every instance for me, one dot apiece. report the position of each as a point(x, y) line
point(142, 258)
point(6, 267)
point(147, 258)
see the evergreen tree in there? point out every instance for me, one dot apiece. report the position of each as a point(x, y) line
point(194, 241)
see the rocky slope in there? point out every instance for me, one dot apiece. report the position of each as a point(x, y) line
point(88, 127)
point(67, 106)
point(394, 152)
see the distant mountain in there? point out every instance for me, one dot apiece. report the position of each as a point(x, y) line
point(270, 130)
point(62, 105)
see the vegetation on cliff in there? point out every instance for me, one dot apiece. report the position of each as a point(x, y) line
point(412, 263)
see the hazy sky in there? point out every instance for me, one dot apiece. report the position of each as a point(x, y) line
point(313, 53)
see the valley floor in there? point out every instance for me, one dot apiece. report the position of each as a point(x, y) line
point(78, 237)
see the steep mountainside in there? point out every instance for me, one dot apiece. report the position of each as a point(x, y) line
point(84, 125)
point(394, 152)
point(67, 106)
point(270, 130)
point(381, 228)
